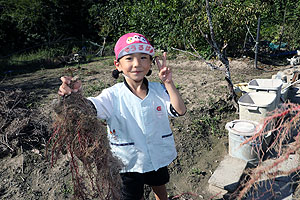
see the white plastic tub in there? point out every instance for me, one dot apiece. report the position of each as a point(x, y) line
point(267, 85)
point(238, 132)
point(254, 106)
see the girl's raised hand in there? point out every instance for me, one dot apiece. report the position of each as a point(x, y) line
point(65, 88)
point(165, 73)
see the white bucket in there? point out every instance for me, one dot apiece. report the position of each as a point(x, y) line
point(239, 132)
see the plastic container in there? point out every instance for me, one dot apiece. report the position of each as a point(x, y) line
point(254, 106)
point(239, 131)
point(267, 85)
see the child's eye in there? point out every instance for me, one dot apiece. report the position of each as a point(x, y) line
point(128, 58)
point(144, 57)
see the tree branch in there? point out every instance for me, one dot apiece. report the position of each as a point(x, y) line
point(211, 66)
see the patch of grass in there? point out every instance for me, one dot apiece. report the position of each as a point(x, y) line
point(178, 86)
point(108, 61)
point(206, 125)
point(212, 123)
point(223, 87)
point(208, 121)
point(45, 57)
point(120, 80)
point(197, 172)
point(67, 189)
point(29, 61)
point(201, 102)
point(93, 88)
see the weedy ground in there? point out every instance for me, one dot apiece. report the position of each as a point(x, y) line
point(200, 135)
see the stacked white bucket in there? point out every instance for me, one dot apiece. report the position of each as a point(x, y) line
point(264, 97)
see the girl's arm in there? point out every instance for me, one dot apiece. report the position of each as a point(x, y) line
point(165, 75)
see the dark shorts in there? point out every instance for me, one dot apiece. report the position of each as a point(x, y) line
point(133, 182)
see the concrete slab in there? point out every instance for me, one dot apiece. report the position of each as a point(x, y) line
point(290, 197)
point(228, 174)
point(217, 193)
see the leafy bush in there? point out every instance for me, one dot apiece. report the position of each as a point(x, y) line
point(174, 23)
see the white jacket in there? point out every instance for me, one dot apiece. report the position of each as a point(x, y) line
point(138, 130)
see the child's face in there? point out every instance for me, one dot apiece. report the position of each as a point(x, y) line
point(134, 66)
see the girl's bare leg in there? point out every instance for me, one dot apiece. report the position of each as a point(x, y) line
point(160, 192)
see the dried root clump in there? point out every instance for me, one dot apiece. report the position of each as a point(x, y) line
point(78, 132)
point(283, 123)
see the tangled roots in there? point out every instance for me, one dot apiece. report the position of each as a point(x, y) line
point(78, 132)
point(283, 123)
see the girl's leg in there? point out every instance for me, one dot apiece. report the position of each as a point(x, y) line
point(160, 192)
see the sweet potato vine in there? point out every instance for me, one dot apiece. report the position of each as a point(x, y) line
point(283, 124)
point(78, 132)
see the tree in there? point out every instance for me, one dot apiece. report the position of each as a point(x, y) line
point(25, 23)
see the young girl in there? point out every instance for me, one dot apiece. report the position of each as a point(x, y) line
point(136, 112)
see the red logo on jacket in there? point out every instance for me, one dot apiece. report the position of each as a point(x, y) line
point(158, 108)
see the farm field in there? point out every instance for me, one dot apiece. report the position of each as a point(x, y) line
point(200, 135)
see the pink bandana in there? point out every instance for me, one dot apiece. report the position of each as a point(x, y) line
point(133, 43)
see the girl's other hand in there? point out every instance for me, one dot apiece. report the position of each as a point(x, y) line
point(65, 88)
point(165, 73)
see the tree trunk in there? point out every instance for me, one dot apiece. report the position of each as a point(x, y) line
point(221, 55)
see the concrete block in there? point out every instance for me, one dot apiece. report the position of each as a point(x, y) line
point(290, 197)
point(228, 173)
point(216, 191)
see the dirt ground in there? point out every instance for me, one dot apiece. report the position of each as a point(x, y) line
point(200, 135)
